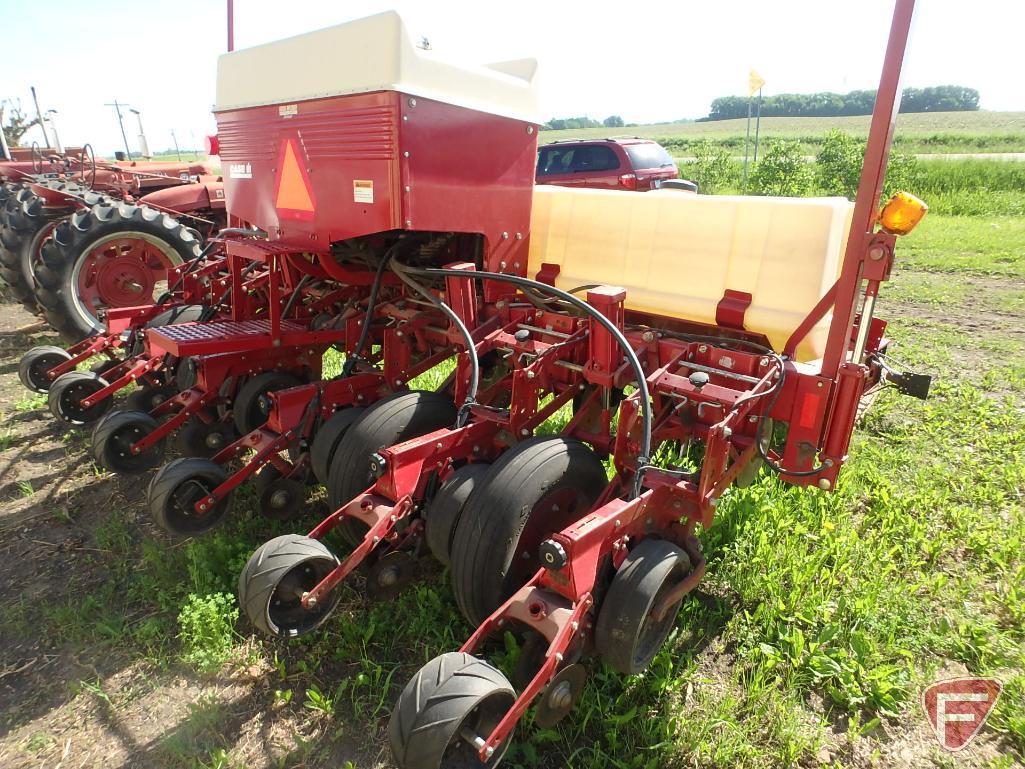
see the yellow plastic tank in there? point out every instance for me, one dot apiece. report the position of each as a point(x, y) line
point(676, 253)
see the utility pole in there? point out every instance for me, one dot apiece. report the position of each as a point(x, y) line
point(175, 140)
point(53, 127)
point(143, 144)
point(39, 114)
point(121, 122)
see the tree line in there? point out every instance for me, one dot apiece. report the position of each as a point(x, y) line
point(940, 98)
point(562, 123)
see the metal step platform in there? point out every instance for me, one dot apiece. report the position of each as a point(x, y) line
point(233, 336)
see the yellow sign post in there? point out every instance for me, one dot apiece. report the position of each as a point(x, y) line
point(754, 85)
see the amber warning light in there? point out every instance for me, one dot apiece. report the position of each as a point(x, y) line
point(902, 213)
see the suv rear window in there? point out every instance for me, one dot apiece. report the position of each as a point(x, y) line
point(648, 155)
point(567, 159)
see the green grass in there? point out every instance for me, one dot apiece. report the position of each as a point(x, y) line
point(956, 186)
point(172, 157)
point(964, 244)
point(940, 132)
point(972, 187)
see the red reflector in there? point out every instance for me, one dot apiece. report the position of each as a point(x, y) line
point(628, 181)
point(809, 408)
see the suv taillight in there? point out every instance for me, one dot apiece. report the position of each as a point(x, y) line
point(628, 181)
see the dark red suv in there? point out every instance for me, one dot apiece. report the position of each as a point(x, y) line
point(616, 164)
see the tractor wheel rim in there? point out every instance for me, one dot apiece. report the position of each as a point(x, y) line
point(32, 255)
point(121, 270)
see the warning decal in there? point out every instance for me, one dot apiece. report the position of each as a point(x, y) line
point(363, 190)
point(294, 195)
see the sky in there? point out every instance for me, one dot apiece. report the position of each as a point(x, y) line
point(646, 61)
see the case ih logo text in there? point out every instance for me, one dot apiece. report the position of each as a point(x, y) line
point(958, 707)
point(240, 171)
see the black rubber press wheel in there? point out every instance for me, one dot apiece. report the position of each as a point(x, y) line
point(280, 499)
point(114, 436)
point(443, 512)
point(67, 392)
point(251, 405)
point(534, 489)
point(327, 438)
point(272, 584)
point(197, 438)
point(451, 699)
point(36, 362)
point(627, 635)
point(397, 418)
point(176, 489)
point(148, 397)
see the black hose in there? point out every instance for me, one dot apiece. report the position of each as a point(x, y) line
point(375, 288)
point(775, 391)
point(198, 258)
point(295, 294)
point(761, 426)
point(471, 347)
point(211, 309)
point(608, 325)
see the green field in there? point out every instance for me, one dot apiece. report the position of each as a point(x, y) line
point(940, 132)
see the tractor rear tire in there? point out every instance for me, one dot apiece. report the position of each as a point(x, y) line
point(81, 238)
point(443, 512)
point(28, 226)
point(626, 635)
point(535, 489)
point(452, 692)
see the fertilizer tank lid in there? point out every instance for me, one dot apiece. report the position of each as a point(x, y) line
point(375, 53)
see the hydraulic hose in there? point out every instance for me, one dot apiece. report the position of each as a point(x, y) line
point(631, 356)
point(402, 271)
point(759, 444)
point(364, 334)
point(295, 294)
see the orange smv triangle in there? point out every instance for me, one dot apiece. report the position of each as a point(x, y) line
point(294, 196)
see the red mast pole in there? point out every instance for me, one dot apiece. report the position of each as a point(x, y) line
point(231, 25)
point(866, 205)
